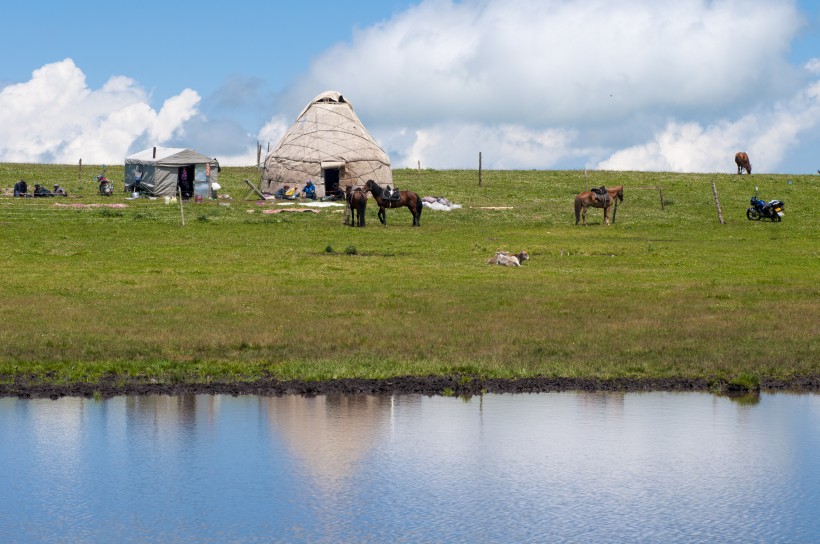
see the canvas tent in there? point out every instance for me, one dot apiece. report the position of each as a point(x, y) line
point(327, 145)
point(160, 170)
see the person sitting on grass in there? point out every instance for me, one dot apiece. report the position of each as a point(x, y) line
point(40, 191)
point(59, 191)
point(21, 188)
point(309, 190)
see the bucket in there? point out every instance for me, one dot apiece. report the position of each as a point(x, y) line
point(167, 199)
point(135, 194)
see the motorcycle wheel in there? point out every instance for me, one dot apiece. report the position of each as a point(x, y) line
point(776, 218)
point(752, 214)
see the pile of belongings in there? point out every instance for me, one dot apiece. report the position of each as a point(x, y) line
point(439, 203)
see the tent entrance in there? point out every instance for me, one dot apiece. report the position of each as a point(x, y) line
point(185, 180)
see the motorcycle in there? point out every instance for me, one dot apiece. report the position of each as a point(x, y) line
point(758, 209)
point(105, 185)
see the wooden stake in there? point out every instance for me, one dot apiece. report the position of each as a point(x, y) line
point(80, 173)
point(479, 168)
point(181, 209)
point(660, 192)
point(717, 203)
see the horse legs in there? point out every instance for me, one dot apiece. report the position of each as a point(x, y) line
point(583, 216)
point(382, 216)
point(417, 212)
point(606, 215)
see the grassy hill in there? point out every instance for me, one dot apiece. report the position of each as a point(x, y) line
point(91, 293)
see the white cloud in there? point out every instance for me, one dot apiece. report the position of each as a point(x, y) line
point(502, 147)
point(56, 117)
point(688, 147)
point(633, 84)
point(813, 66)
point(535, 83)
point(539, 62)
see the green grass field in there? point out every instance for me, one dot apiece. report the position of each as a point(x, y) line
point(236, 294)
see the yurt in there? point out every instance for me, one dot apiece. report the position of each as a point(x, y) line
point(329, 146)
point(165, 171)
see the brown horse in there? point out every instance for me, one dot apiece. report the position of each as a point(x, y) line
point(742, 162)
point(589, 199)
point(356, 203)
point(406, 198)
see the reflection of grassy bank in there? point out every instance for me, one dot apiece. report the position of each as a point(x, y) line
point(236, 294)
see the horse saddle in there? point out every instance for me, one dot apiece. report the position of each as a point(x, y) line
point(391, 194)
point(601, 194)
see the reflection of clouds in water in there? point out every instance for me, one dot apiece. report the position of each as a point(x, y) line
point(541, 467)
point(329, 434)
point(574, 463)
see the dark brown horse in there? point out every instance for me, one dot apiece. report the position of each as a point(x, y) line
point(742, 162)
point(406, 198)
point(589, 199)
point(356, 203)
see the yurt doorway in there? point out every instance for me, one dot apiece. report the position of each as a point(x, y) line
point(332, 177)
point(185, 175)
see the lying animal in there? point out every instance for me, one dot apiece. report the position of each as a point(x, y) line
point(505, 259)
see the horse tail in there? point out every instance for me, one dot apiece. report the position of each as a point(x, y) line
point(578, 206)
point(362, 204)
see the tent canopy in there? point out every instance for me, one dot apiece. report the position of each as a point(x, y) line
point(160, 170)
point(327, 145)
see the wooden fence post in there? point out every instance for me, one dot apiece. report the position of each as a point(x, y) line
point(80, 171)
point(660, 192)
point(717, 203)
point(479, 168)
point(181, 209)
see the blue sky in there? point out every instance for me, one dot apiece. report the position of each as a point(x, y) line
point(628, 85)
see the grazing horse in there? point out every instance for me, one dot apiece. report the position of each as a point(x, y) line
point(406, 198)
point(356, 203)
point(742, 162)
point(589, 199)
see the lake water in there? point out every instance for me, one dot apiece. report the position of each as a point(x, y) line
point(558, 467)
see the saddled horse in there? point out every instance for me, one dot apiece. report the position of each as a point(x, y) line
point(589, 199)
point(356, 203)
point(742, 162)
point(407, 199)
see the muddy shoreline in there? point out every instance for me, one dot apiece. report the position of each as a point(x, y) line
point(405, 385)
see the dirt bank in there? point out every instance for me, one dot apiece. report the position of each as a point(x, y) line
point(431, 385)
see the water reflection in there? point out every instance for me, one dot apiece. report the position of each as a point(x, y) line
point(328, 434)
point(568, 467)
